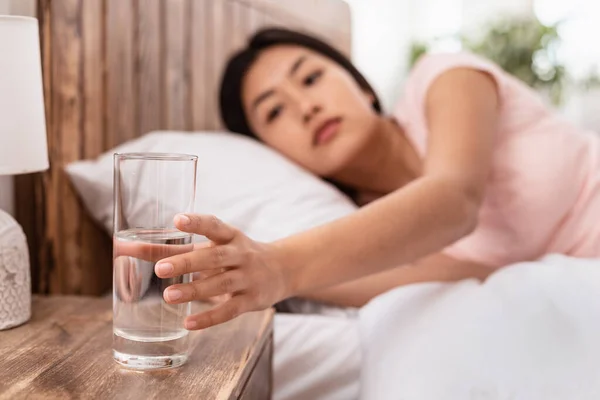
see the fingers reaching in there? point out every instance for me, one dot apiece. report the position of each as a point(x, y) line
point(242, 274)
point(148, 251)
point(218, 315)
point(206, 258)
point(216, 285)
point(206, 225)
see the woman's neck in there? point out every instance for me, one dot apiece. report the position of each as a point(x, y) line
point(387, 163)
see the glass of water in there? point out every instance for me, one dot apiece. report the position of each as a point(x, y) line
point(149, 190)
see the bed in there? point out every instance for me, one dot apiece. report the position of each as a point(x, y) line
point(116, 69)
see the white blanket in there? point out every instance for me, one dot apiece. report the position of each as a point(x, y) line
point(530, 332)
point(317, 357)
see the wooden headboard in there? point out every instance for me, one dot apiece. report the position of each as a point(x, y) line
point(116, 69)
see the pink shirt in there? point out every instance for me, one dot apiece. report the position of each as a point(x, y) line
point(543, 194)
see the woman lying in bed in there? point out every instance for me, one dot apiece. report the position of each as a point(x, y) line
point(470, 172)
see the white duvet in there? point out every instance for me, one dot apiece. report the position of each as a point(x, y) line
point(530, 332)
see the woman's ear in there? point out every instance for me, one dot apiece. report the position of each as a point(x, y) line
point(371, 98)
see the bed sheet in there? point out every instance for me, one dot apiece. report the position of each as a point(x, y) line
point(531, 331)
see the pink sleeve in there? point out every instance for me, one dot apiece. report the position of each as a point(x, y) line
point(412, 113)
point(431, 66)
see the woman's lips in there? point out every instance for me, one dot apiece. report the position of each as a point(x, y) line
point(327, 131)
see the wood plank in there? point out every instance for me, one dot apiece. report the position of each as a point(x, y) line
point(67, 81)
point(25, 216)
point(71, 357)
point(253, 361)
point(201, 45)
point(239, 14)
point(335, 24)
point(215, 57)
point(260, 382)
point(43, 309)
point(43, 193)
point(177, 42)
point(121, 101)
point(150, 66)
point(254, 20)
point(30, 189)
point(93, 64)
point(96, 260)
point(56, 337)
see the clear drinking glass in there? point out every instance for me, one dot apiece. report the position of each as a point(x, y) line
point(149, 190)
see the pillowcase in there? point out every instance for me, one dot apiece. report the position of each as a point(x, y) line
point(241, 181)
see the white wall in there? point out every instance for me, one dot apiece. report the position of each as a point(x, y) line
point(382, 31)
point(380, 36)
point(477, 12)
point(12, 7)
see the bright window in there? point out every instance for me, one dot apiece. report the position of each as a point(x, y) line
point(579, 30)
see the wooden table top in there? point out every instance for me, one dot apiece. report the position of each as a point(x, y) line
point(64, 352)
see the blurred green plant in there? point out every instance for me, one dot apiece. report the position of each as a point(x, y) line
point(523, 47)
point(592, 80)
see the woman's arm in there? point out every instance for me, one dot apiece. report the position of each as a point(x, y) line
point(434, 268)
point(421, 218)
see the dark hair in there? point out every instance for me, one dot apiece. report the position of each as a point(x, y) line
point(230, 99)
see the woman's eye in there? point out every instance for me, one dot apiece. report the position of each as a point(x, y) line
point(274, 113)
point(312, 78)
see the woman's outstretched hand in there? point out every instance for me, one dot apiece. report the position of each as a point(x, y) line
point(231, 264)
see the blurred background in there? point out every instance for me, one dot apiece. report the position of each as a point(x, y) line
point(549, 44)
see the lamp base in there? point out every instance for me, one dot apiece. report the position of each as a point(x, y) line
point(15, 280)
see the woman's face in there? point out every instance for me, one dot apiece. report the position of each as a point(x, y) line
point(308, 108)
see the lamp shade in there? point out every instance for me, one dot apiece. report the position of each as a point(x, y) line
point(23, 146)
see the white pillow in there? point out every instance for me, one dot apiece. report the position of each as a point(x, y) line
point(240, 180)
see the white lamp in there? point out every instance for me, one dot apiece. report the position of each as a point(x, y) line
point(23, 149)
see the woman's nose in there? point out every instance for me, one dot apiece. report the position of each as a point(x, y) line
point(310, 111)
point(306, 106)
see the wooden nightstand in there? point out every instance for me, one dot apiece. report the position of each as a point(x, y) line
point(64, 352)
